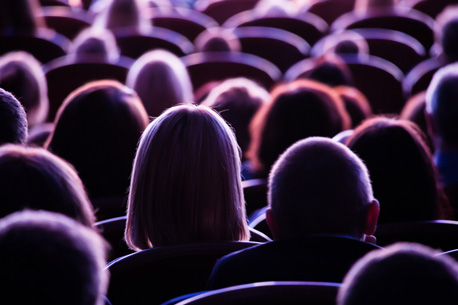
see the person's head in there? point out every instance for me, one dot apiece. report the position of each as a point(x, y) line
point(446, 32)
point(403, 174)
point(319, 186)
point(33, 178)
point(401, 274)
point(237, 100)
point(217, 40)
point(20, 17)
point(296, 110)
point(95, 42)
point(356, 104)
point(347, 42)
point(22, 75)
point(97, 129)
point(442, 108)
point(161, 80)
point(186, 184)
point(124, 15)
point(13, 120)
point(330, 70)
point(49, 258)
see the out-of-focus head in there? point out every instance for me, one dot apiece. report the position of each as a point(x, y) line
point(237, 100)
point(13, 120)
point(124, 15)
point(401, 274)
point(403, 175)
point(51, 259)
point(97, 129)
point(356, 104)
point(442, 107)
point(446, 32)
point(295, 111)
point(186, 184)
point(319, 186)
point(347, 42)
point(20, 16)
point(217, 40)
point(95, 42)
point(33, 178)
point(22, 75)
point(275, 8)
point(330, 70)
point(161, 80)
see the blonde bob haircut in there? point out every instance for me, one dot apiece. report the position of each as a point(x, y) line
point(186, 185)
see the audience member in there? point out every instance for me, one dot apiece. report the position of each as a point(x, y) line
point(446, 30)
point(320, 209)
point(20, 17)
point(48, 258)
point(441, 118)
point(401, 274)
point(295, 111)
point(97, 43)
point(217, 40)
point(13, 120)
point(22, 75)
point(331, 70)
point(237, 100)
point(33, 178)
point(161, 80)
point(97, 129)
point(356, 104)
point(403, 174)
point(186, 184)
point(347, 42)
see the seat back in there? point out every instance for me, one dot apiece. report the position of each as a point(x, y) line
point(432, 7)
point(255, 193)
point(280, 47)
point(269, 293)
point(221, 10)
point(156, 275)
point(66, 21)
point(438, 234)
point(330, 10)
point(215, 66)
point(65, 75)
point(309, 26)
point(420, 76)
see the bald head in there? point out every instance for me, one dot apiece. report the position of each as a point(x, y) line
point(319, 186)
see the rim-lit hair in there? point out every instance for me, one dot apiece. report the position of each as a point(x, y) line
point(161, 80)
point(186, 184)
point(95, 41)
point(295, 111)
point(13, 120)
point(63, 259)
point(22, 75)
point(33, 178)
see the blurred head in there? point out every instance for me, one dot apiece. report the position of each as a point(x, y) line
point(318, 186)
point(33, 178)
point(95, 42)
point(20, 16)
point(22, 75)
point(13, 120)
point(237, 100)
point(294, 111)
point(446, 32)
point(190, 149)
point(403, 175)
point(97, 129)
point(330, 70)
point(442, 108)
point(401, 274)
point(347, 42)
point(51, 259)
point(161, 80)
point(217, 40)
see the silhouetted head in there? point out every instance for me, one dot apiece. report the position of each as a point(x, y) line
point(51, 259)
point(33, 178)
point(161, 80)
point(186, 184)
point(446, 32)
point(318, 186)
point(403, 175)
point(401, 274)
point(330, 70)
point(96, 43)
point(97, 129)
point(217, 40)
point(295, 111)
point(13, 120)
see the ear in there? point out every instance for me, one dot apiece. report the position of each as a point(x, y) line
point(272, 223)
point(372, 217)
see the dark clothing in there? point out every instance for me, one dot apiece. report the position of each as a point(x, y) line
point(315, 258)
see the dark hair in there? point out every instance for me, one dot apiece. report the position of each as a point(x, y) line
point(403, 174)
point(49, 258)
point(13, 120)
point(33, 178)
point(97, 130)
point(297, 110)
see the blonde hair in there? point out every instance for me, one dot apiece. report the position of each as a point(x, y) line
point(186, 184)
